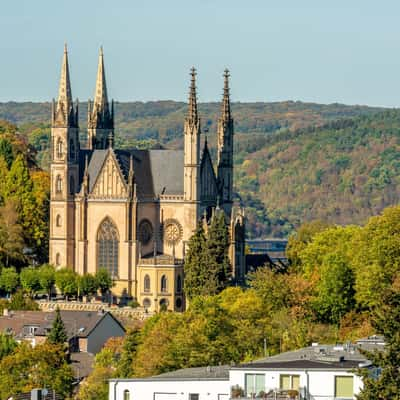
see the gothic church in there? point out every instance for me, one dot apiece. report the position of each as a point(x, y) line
point(133, 211)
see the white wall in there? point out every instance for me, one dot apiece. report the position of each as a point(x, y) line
point(169, 390)
point(320, 383)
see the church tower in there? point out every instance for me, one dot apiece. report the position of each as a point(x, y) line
point(192, 156)
point(100, 113)
point(64, 171)
point(225, 151)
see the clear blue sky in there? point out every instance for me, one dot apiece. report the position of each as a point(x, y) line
point(344, 51)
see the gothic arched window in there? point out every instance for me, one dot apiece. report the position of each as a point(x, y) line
point(58, 259)
point(58, 184)
point(59, 148)
point(58, 220)
point(146, 285)
point(179, 284)
point(107, 247)
point(71, 185)
point(71, 149)
point(164, 283)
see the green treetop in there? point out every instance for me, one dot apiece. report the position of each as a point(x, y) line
point(57, 334)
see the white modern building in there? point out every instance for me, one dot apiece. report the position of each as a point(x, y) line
point(318, 372)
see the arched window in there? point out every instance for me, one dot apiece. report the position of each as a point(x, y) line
point(164, 283)
point(59, 148)
point(58, 220)
point(146, 283)
point(126, 394)
point(71, 185)
point(58, 184)
point(179, 284)
point(107, 247)
point(71, 149)
point(58, 259)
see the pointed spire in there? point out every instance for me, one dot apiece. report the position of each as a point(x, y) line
point(192, 111)
point(100, 96)
point(64, 92)
point(226, 104)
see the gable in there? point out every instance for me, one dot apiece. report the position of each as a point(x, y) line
point(109, 182)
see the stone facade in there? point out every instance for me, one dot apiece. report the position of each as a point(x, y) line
point(134, 211)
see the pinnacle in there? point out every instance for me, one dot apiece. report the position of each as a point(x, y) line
point(100, 97)
point(64, 93)
point(226, 105)
point(192, 112)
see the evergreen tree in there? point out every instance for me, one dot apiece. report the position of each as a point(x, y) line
point(6, 151)
point(57, 334)
point(195, 264)
point(387, 384)
point(217, 246)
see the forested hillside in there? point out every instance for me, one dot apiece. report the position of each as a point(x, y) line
point(294, 161)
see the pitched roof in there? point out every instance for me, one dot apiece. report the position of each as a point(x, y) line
point(156, 171)
point(77, 323)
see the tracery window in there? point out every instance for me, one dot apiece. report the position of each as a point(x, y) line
point(59, 148)
point(58, 184)
point(146, 283)
point(107, 247)
point(164, 284)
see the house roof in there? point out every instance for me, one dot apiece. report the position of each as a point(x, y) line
point(300, 365)
point(77, 323)
point(217, 373)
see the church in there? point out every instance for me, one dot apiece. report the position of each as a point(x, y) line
point(133, 212)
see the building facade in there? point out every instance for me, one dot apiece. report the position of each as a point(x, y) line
point(134, 211)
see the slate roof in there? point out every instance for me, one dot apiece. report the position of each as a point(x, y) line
point(77, 323)
point(157, 171)
point(301, 364)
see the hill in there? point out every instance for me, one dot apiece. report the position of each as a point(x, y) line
point(294, 161)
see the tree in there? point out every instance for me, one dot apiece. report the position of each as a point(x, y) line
point(9, 280)
point(104, 280)
point(386, 384)
point(47, 278)
point(29, 277)
point(6, 151)
point(67, 281)
point(57, 334)
point(21, 302)
point(42, 366)
point(128, 354)
point(195, 264)
point(216, 253)
point(87, 285)
point(11, 236)
point(7, 345)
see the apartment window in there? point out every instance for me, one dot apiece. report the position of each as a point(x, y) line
point(289, 382)
point(344, 387)
point(193, 396)
point(254, 383)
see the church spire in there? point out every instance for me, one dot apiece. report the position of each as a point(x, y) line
point(64, 91)
point(101, 99)
point(100, 119)
point(63, 110)
point(192, 110)
point(226, 104)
